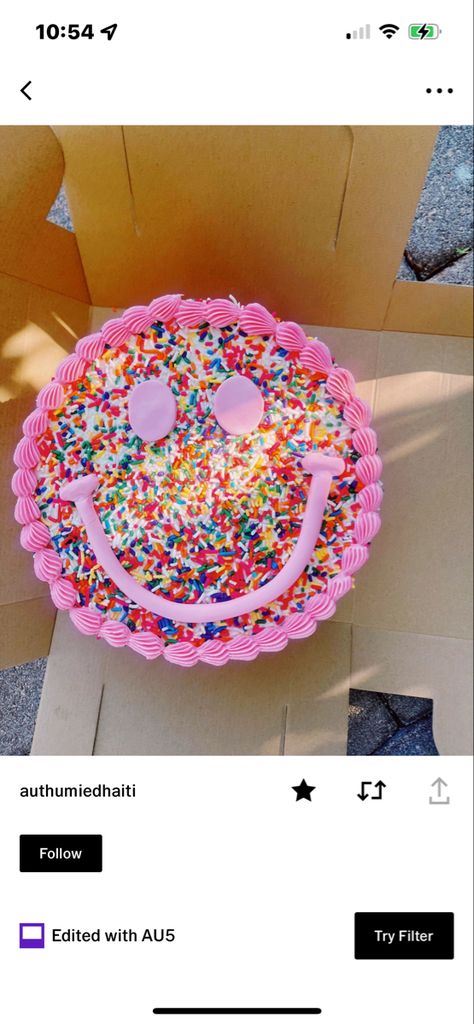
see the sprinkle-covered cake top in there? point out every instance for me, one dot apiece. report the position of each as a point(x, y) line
point(151, 509)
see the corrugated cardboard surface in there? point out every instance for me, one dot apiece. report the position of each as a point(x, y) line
point(436, 309)
point(311, 221)
point(406, 627)
point(31, 248)
point(112, 704)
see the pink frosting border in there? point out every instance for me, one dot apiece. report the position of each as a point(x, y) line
point(175, 312)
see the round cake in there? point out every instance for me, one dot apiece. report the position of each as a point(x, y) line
point(198, 481)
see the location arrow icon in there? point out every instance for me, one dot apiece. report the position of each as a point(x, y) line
point(24, 88)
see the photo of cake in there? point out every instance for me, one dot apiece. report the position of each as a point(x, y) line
point(199, 481)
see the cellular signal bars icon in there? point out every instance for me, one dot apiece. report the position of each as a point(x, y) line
point(359, 33)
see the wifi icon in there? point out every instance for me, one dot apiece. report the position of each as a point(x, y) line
point(389, 30)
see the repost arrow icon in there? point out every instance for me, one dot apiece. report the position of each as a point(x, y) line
point(24, 88)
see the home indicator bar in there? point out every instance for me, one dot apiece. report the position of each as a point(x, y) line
point(239, 1009)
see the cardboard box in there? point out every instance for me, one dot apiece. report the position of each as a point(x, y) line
point(312, 221)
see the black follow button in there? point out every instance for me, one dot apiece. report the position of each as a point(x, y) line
point(410, 936)
point(60, 853)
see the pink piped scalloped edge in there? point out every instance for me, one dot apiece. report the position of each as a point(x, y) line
point(314, 356)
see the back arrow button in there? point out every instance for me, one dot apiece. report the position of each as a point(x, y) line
point(23, 90)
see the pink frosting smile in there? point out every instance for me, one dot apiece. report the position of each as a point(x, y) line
point(322, 469)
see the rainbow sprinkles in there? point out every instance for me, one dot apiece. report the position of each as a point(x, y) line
point(198, 481)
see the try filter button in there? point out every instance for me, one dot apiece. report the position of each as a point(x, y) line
point(60, 853)
point(404, 936)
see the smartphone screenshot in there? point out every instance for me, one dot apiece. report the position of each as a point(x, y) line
point(236, 282)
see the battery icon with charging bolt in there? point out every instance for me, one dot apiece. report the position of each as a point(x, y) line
point(423, 31)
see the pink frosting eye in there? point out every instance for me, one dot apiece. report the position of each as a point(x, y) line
point(152, 410)
point(238, 405)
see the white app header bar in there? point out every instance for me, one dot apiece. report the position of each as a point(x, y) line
point(255, 62)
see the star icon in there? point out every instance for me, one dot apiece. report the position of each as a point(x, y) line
point(303, 791)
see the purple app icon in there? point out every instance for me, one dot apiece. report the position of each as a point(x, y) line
point(31, 936)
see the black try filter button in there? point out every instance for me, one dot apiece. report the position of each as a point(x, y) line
point(404, 936)
point(60, 853)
